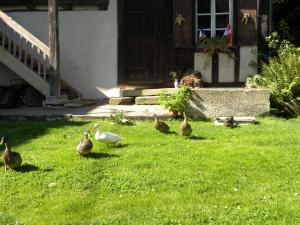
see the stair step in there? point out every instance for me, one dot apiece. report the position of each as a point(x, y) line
point(147, 92)
point(147, 100)
point(121, 101)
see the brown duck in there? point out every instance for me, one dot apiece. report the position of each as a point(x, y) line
point(230, 122)
point(12, 160)
point(161, 126)
point(85, 145)
point(185, 127)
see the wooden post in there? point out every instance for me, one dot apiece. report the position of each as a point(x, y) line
point(54, 76)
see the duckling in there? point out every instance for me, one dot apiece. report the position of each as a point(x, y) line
point(85, 145)
point(185, 127)
point(161, 126)
point(12, 160)
point(106, 137)
point(230, 122)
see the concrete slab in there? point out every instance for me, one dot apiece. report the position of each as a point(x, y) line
point(147, 92)
point(205, 103)
point(219, 121)
point(147, 100)
point(121, 101)
point(140, 112)
point(225, 102)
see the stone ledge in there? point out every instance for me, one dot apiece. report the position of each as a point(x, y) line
point(224, 102)
point(121, 101)
point(149, 100)
point(147, 92)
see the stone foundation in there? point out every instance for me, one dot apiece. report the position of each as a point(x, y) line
point(223, 102)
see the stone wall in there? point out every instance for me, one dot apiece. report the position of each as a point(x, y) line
point(219, 102)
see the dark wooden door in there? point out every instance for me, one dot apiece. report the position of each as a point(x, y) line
point(143, 40)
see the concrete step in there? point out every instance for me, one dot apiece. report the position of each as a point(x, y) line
point(121, 101)
point(147, 92)
point(147, 100)
point(219, 121)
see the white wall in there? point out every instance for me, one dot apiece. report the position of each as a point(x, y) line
point(248, 54)
point(203, 64)
point(226, 68)
point(88, 42)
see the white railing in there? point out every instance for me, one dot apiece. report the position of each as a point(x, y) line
point(24, 45)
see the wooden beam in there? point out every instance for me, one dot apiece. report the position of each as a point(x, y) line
point(54, 76)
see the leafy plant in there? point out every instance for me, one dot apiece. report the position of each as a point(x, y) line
point(173, 75)
point(280, 43)
point(119, 118)
point(282, 77)
point(176, 102)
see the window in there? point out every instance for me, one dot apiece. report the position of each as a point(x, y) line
point(213, 16)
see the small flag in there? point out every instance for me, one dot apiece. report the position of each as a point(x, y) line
point(228, 34)
point(202, 35)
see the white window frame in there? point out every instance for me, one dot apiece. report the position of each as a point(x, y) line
point(213, 14)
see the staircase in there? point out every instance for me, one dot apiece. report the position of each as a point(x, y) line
point(25, 55)
point(140, 96)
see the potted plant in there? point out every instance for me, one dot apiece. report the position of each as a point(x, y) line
point(176, 102)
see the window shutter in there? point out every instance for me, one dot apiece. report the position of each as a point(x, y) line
point(246, 22)
point(183, 34)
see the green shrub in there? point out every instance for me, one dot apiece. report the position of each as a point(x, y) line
point(176, 102)
point(118, 117)
point(282, 77)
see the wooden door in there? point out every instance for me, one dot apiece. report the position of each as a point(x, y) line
point(142, 34)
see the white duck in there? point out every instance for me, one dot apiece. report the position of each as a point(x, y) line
point(106, 137)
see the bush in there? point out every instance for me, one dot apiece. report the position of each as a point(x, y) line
point(176, 102)
point(119, 118)
point(282, 73)
point(282, 77)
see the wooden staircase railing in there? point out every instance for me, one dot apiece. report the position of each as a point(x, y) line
point(28, 50)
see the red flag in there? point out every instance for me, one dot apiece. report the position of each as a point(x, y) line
point(228, 34)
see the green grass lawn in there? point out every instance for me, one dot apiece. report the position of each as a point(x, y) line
point(247, 175)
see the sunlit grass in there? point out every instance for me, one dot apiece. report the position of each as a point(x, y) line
point(247, 175)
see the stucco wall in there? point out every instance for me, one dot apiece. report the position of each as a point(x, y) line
point(219, 102)
point(203, 63)
point(88, 41)
point(248, 56)
point(226, 68)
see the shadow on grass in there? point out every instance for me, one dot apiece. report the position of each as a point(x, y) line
point(98, 155)
point(47, 170)
point(25, 168)
point(20, 132)
point(118, 146)
point(196, 138)
point(172, 132)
